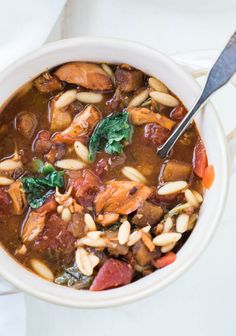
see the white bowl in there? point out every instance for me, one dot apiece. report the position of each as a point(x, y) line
point(186, 88)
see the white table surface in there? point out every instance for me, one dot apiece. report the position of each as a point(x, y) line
point(203, 301)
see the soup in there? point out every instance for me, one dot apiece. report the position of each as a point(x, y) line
point(85, 200)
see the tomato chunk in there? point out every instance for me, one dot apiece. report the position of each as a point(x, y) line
point(49, 206)
point(85, 186)
point(112, 274)
point(167, 259)
point(199, 159)
point(208, 176)
point(155, 134)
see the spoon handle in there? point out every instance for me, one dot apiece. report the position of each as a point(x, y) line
point(221, 72)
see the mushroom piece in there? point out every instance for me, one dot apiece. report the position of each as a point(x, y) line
point(174, 170)
point(128, 80)
point(47, 83)
point(26, 123)
point(147, 214)
point(88, 75)
point(60, 119)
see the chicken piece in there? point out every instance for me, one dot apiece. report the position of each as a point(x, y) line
point(128, 80)
point(175, 171)
point(18, 197)
point(77, 225)
point(33, 226)
point(141, 253)
point(113, 273)
point(107, 219)
point(81, 126)
point(142, 115)
point(88, 75)
point(26, 124)
point(60, 119)
point(42, 143)
point(121, 197)
point(47, 83)
point(147, 214)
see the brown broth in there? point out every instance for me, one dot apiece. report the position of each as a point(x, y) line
point(138, 154)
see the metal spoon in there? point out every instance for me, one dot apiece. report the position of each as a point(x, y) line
point(221, 72)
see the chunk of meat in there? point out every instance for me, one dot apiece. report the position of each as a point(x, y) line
point(113, 273)
point(128, 80)
point(88, 75)
point(178, 113)
point(77, 225)
point(18, 197)
point(56, 240)
point(42, 143)
point(107, 219)
point(155, 134)
point(26, 123)
point(199, 159)
point(147, 214)
point(47, 83)
point(33, 226)
point(81, 126)
point(141, 253)
point(49, 206)
point(121, 197)
point(142, 115)
point(85, 185)
point(174, 170)
point(60, 119)
point(56, 152)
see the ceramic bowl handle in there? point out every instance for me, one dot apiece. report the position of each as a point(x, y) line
point(198, 63)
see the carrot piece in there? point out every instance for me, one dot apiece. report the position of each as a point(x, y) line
point(199, 159)
point(147, 241)
point(167, 259)
point(208, 176)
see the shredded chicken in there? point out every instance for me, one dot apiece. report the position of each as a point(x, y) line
point(18, 197)
point(33, 226)
point(82, 126)
point(88, 75)
point(121, 197)
point(142, 115)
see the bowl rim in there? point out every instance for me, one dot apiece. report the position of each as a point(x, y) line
point(118, 296)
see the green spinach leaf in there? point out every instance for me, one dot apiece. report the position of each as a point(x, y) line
point(38, 189)
point(109, 134)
